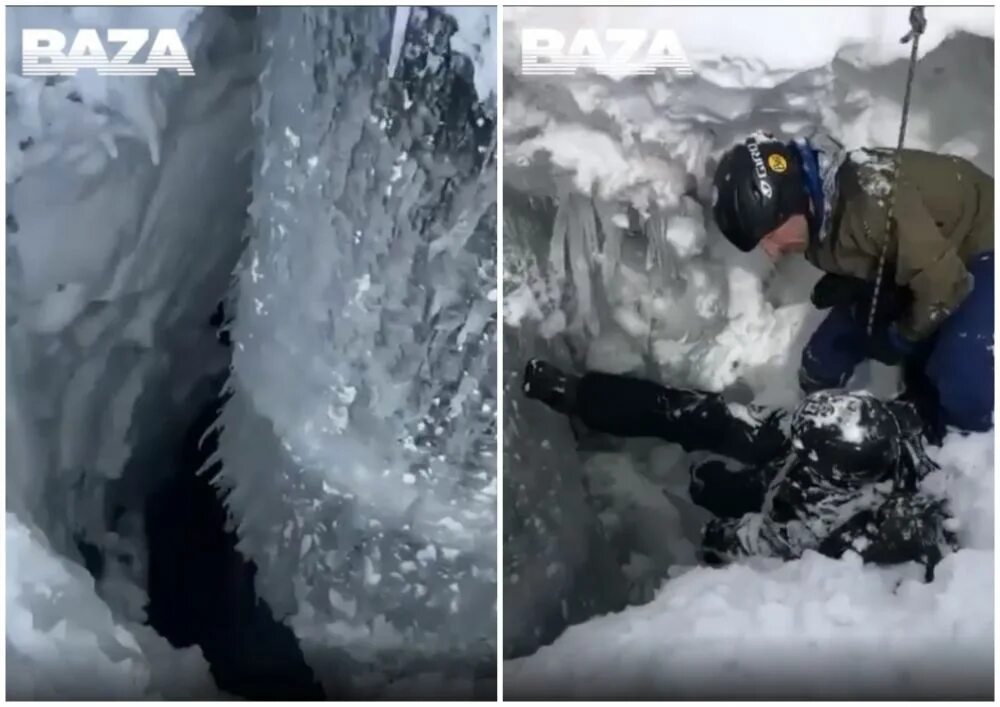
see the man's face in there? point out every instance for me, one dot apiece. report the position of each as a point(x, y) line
point(789, 237)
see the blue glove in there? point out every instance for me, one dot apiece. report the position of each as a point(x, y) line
point(900, 342)
point(890, 346)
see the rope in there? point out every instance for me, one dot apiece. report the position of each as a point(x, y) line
point(779, 479)
point(917, 26)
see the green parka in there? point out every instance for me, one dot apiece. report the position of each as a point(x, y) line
point(943, 216)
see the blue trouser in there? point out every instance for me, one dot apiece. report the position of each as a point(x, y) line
point(957, 360)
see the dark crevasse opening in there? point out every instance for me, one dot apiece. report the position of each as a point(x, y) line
point(201, 590)
point(119, 394)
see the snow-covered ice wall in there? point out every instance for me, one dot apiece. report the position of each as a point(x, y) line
point(362, 476)
point(612, 262)
point(359, 438)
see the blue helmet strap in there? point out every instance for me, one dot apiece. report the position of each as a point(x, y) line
point(813, 183)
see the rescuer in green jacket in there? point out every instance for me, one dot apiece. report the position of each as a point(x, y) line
point(920, 278)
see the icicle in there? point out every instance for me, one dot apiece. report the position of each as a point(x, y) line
point(399, 22)
point(582, 249)
point(611, 251)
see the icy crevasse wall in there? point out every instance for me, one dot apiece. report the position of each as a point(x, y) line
point(109, 285)
point(359, 443)
point(558, 566)
point(615, 265)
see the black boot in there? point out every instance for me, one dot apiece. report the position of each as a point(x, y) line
point(545, 382)
point(922, 396)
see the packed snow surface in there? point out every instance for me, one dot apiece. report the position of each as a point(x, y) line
point(612, 263)
point(55, 617)
point(812, 627)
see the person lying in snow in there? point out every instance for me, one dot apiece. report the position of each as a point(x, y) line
point(934, 308)
point(839, 473)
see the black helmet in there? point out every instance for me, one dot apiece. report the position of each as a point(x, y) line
point(758, 185)
point(851, 434)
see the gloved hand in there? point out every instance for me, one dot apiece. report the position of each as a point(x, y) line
point(912, 527)
point(833, 290)
point(889, 346)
